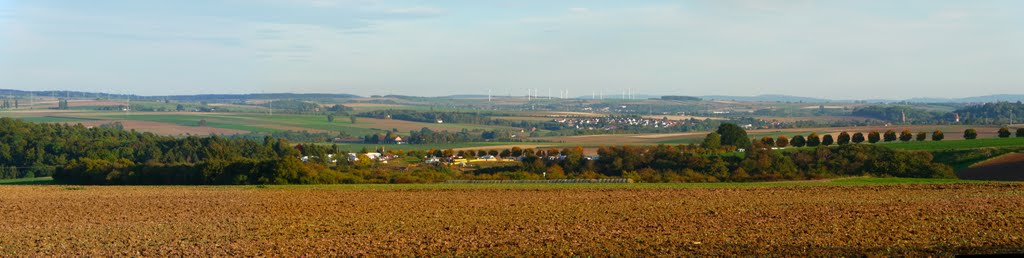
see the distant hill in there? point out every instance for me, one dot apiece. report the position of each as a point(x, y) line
point(977, 99)
point(200, 97)
point(607, 95)
point(242, 97)
point(991, 113)
point(680, 98)
point(465, 96)
point(766, 98)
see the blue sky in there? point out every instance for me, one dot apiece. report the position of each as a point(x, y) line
point(832, 49)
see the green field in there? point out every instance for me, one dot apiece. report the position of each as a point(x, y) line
point(689, 140)
point(55, 119)
point(27, 181)
point(957, 144)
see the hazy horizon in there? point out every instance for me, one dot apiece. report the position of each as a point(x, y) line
point(832, 50)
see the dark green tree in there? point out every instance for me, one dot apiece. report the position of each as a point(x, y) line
point(906, 136)
point(937, 135)
point(970, 134)
point(857, 137)
point(921, 136)
point(712, 141)
point(768, 141)
point(330, 118)
point(890, 135)
point(782, 142)
point(798, 141)
point(844, 138)
point(1004, 132)
point(734, 135)
point(813, 140)
point(874, 137)
point(1020, 132)
point(827, 140)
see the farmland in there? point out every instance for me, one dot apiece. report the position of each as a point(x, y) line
point(959, 144)
point(869, 217)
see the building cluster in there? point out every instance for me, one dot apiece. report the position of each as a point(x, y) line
point(352, 157)
point(612, 123)
point(463, 161)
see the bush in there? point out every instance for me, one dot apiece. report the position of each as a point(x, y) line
point(921, 136)
point(1020, 132)
point(970, 134)
point(937, 135)
point(1004, 132)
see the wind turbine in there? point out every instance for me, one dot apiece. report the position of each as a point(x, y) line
point(128, 104)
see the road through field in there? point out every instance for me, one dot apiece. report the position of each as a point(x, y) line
point(914, 220)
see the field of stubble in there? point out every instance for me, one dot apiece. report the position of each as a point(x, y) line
point(936, 219)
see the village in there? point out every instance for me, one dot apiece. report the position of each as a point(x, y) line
point(613, 123)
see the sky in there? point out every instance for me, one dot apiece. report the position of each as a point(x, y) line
point(861, 49)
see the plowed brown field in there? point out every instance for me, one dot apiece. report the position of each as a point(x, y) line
point(1006, 167)
point(896, 220)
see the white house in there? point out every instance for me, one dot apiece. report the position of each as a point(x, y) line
point(372, 155)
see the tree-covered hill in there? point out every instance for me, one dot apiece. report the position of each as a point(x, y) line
point(992, 113)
